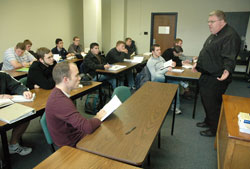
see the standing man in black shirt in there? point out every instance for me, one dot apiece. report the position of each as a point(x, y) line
point(216, 63)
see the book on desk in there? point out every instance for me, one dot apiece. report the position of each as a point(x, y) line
point(15, 112)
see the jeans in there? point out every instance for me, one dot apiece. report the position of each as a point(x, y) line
point(178, 104)
point(110, 79)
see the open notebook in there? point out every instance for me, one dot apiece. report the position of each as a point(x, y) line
point(15, 112)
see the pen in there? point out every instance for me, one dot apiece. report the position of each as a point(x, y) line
point(130, 130)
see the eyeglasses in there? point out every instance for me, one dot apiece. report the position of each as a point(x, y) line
point(212, 21)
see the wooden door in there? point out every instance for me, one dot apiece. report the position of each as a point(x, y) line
point(163, 29)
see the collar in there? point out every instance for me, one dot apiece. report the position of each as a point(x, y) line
point(222, 30)
point(66, 94)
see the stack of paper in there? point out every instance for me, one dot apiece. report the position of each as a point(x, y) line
point(111, 106)
point(116, 67)
point(136, 59)
point(177, 70)
point(15, 112)
point(5, 102)
point(244, 122)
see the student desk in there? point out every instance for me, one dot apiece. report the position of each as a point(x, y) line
point(115, 73)
point(15, 74)
point(233, 147)
point(68, 157)
point(128, 133)
point(186, 75)
point(39, 105)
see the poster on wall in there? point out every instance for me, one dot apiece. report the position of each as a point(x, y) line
point(164, 30)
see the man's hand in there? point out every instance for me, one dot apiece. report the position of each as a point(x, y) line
point(5, 96)
point(100, 114)
point(224, 76)
point(169, 68)
point(194, 68)
point(107, 66)
point(27, 94)
point(36, 86)
point(25, 64)
point(125, 50)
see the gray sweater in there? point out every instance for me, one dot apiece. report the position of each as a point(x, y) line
point(154, 65)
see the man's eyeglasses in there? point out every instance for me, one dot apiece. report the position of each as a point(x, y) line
point(212, 21)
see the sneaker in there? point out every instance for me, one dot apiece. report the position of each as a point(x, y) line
point(16, 148)
point(177, 111)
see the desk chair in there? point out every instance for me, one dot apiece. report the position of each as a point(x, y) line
point(1, 65)
point(122, 92)
point(46, 132)
point(23, 81)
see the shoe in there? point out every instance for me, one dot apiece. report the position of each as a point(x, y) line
point(202, 124)
point(177, 111)
point(208, 133)
point(16, 148)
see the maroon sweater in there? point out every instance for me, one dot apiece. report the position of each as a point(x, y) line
point(65, 123)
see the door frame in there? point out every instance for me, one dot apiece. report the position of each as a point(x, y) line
point(152, 24)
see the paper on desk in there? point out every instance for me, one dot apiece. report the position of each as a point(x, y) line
point(21, 98)
point(116, 67)
point(147, 53)
point(56, 57)
point(5, 102)
point(136, 59)
point(167, 64)
point(177, 70)
point(187, 66)
point(111, 106)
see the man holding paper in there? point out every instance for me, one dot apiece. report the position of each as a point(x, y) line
point(66, 125)
point(8, 87)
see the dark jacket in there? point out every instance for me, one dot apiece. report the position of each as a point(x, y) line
point(219, 52)
point(168, 55)
point(114, 56)
point(131, 49)
point(9, 85)
point(40, 75)
point(91, 63)
point(63, 53)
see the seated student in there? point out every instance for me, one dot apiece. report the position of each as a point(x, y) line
point(28, 45)
point(66, 125)
point(155, 65)
point(40, 72)
point(118, 54)
point(17, 57)
point(130, 46)
point(93, 61)
point(76, 47)
point(59, 49)
point(10, 86)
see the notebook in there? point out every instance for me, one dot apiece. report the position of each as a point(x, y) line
point(5, 102)
point(15, 112)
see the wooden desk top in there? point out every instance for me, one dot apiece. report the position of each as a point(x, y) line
point(146, 110)
point(232, 106)
point(128, 65)
point(68, 157)
point(186, 74)
point(15, 74)
point(42, 96)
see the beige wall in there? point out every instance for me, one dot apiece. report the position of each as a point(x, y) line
point(40, 21)
point(192, 19)
point(106, 25)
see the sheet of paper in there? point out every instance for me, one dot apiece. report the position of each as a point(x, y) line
point(21, 98)
point(24, 69)
point(147, 53)
point(164, 30)
point(111, 106)
point(5, 102)
point(167, 64)
point(187, 66)
point(56, 57)
point(136, 59)
point(177, 70)
point(116, 67)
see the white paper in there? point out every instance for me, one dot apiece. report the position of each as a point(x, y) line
point(177, 70)
point(147, 53)
point(5, 102)
point(111, 106)
point(116, 67)
point(136, 59)
point(21, 98)
point(167, 64)
point(163, 30)
point(56, 57)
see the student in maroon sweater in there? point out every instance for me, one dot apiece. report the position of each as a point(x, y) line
point(65, 123)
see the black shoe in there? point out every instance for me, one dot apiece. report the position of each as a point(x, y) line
point(208, 133)
point(202, 124)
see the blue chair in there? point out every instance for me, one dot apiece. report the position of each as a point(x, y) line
point(46, 132)
point(122, 92)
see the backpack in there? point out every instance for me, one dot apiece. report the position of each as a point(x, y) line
point(142, 77)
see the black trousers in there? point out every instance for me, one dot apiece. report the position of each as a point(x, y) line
point(211, 91)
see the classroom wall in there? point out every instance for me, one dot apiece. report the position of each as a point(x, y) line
point(192, 20)
point(106, 25)
point(40, 21)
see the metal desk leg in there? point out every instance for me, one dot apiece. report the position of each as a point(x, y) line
point(159, 139)
point(100, 97)
point(117, 81)
point(175, 98)
point(5, 147)
point(195, 98)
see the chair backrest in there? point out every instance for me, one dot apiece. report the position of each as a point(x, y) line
point(122, 92)
point(45, 129)
point(23, 81)
point(1, 65)
point(142, 77)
